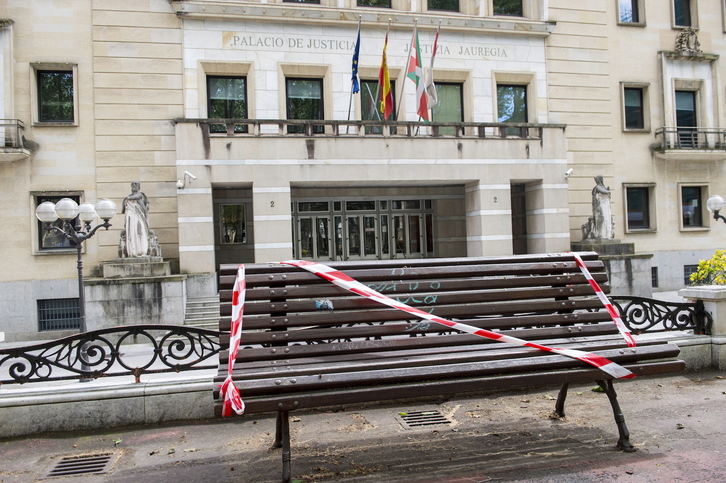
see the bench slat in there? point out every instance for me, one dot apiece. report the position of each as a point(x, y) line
point(336, 363)
point(289, 402)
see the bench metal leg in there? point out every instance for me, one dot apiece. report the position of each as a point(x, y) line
point(282, 440)
point(624, 441)
point(278, 431)
point(560, 404)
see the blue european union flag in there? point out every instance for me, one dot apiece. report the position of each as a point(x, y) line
point(354, 77)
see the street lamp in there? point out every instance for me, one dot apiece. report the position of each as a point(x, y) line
point(67, 210)
point(715, 204)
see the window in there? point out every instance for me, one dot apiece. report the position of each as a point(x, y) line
point(370, 100)
point(233, 224)
point(50, 239)
point(688, 270)
point(227, 99)
point(450, 106)
point(59, 314)
point(682, 13)
point(686, 119)
point(629, 11)
point(302, 1)
point(511, 106)
point(638, 205)
point(691, 209)
point(55, 96)
point(374, 3)
point(633, 101)
point(508, 7)
point(654, 282)
point(304, 101)
point(448, 5)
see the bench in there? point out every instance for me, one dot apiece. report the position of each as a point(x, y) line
point(308, 344)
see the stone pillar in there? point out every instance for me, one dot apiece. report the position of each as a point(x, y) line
point(272, 218)
point(714, 302)
point(488, 220)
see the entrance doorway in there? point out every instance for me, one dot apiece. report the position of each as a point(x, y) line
point(349, 229)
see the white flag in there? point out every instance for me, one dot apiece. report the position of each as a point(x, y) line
point(431, 97)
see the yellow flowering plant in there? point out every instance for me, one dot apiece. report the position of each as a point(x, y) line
point(711, 271)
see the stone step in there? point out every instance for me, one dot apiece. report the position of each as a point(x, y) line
point(202, 312)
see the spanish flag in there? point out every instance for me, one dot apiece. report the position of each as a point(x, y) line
point(384, 83)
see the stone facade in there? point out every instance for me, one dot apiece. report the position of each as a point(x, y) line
point(140, 75)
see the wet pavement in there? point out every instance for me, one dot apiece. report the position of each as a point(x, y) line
point(677, 423)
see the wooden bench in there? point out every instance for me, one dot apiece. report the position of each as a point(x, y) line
point(307, 343)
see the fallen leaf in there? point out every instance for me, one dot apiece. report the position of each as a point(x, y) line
point(598, 389)
point(117, 442)
point(679, 426)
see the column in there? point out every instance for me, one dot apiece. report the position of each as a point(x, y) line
point(488, 219)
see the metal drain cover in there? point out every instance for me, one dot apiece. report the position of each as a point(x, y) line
point(94, 464)
point(421, 418)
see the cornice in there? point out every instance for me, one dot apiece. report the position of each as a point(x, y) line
point(320, 14)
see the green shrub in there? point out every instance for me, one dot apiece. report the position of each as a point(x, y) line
point(711, 271)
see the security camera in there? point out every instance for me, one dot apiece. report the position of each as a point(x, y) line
point(568, 173)
point(181, 183)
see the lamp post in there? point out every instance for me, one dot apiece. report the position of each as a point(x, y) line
point(715, 204)
point(67, 210)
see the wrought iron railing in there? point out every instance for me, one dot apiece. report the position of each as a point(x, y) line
point(118, 351)
point(378, 129)
point(152, 349)
point(692, 138)
point(649, 315)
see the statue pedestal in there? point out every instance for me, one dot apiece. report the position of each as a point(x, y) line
point(135, 291)
point(136, 267)
point(629, 272)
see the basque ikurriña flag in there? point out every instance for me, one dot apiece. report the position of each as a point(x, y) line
point(416, 74)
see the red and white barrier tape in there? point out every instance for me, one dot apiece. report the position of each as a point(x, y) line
point(232, 401)
point(342, 280)
point(606, 302)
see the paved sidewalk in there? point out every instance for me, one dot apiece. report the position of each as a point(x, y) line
point(677, 423)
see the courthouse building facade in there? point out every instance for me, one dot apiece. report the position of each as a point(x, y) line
point(238, 121)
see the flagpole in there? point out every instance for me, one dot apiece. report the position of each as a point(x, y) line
point(408, 62)
point(353, 78)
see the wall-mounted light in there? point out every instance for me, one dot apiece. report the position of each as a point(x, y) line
point(715, 204)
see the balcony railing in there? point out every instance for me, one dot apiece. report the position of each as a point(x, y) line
point(12, 148)
point(692, 138)
point(12, 133)
point(392, 129)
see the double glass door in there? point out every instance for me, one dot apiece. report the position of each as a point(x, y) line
point(359, 230)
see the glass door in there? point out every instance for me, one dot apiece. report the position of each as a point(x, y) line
point(686, 119)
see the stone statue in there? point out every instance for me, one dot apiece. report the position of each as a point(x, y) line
point(600, 225)
point(137, 240)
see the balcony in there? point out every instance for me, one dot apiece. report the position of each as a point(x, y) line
point(691, 143)
point(272, 138)
point(12, 148)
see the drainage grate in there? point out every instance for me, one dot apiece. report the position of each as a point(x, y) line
point(94, 464)
point(418, 419)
